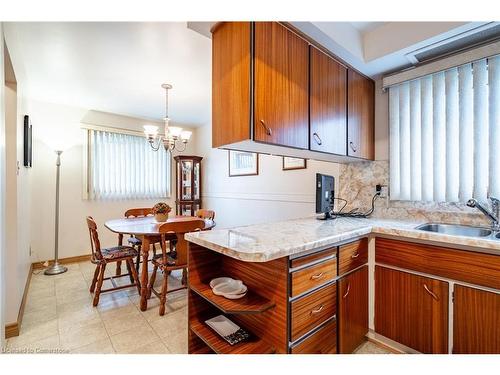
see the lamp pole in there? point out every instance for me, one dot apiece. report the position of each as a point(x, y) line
point(56, 268)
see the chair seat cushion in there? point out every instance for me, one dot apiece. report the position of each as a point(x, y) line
point(118, 252)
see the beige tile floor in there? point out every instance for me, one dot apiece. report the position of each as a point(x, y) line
point(59, 318)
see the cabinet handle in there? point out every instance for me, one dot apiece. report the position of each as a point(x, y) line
point(318, 310)
point(355, 255)
point(352, 146)
point(317, 139)
point(430, 292)
point(347, 292)
point(268, 130)
point(318, 276)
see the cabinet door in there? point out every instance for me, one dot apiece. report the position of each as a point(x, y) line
point(476, 321)
point(360, 116)
point(281, 91)
point(231, 62)
point(328, 97)
point(412, 310)
point(353, 310)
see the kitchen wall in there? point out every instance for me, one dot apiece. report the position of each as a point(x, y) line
point(271, 196)
point(17, 208)
point(2, 191)
point(51, 123)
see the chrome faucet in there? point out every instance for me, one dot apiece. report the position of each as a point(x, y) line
point(493, 215)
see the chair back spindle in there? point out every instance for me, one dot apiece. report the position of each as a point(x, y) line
point(95, 245)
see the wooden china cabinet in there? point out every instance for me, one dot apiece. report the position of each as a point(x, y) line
point(188, 180)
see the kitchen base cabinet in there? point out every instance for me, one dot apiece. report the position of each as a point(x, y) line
point(352, 310)
point(412, 310)
point(324, 341)
point(476, 321)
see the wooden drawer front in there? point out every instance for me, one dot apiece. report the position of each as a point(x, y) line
point(314, 257)
point(311, 277)
point(468, 266)
point(353, 255)
point(324, 341)
point(312, 310)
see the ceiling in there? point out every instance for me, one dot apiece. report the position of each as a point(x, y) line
point(119, 67)
point(116, 67)
point(366, 26)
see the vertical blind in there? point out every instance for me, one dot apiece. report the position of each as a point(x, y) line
point(124, 166)
point(445, 135)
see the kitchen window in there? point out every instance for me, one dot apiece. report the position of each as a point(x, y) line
point(445, 134)
point(123, 166)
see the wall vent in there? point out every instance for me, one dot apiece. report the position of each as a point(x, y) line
point(470, 39)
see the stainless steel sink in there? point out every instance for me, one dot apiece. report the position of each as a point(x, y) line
point(457, 230)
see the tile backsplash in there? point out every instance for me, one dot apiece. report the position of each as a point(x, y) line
point(357, 186)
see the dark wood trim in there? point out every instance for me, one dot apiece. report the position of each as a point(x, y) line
point(68, 260)
point(293, 168)
point(13, 329)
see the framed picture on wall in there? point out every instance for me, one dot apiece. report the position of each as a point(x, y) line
point(293, 163)
point(242, 163)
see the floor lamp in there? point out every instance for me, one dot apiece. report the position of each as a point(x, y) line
point(56, 268)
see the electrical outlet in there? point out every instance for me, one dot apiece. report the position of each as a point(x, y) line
point(382, 190)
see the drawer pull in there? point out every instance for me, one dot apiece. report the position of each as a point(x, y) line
point(354, 256)
point(318, 276)
point(352, 146)
point(430, 292)
point(268, 130)
point(317, 139)
point(347, 292)
point(318, 310)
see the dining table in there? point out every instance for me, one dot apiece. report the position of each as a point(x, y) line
point(147, 228)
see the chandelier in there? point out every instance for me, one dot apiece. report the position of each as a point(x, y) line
point(174, 138)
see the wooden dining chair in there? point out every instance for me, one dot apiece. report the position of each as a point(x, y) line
point(134, 241)
point(205, 214)
point(101, 257)
point(174, 260)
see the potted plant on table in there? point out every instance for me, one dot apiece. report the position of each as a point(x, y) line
point(161, 210)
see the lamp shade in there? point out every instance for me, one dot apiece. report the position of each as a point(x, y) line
point(174, 131)
point(186, 135)
point(151, 130)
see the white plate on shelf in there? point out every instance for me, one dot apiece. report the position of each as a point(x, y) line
point(222, 325)
point(220, 280)
point(230, 288)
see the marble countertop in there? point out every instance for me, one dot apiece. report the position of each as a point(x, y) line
point(265, 242)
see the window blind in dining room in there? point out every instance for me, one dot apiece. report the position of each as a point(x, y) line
point(123, 166)
point(445, 134)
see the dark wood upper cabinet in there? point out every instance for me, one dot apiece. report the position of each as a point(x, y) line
point(281, 92)
point(476, 321)
point(360, 116)
point(328, 97)
point(276, 91)
point(412, 310)
point(231, 63)
point(353, 310)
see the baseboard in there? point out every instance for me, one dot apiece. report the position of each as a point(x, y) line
point(75, 259)
point(13, 329)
